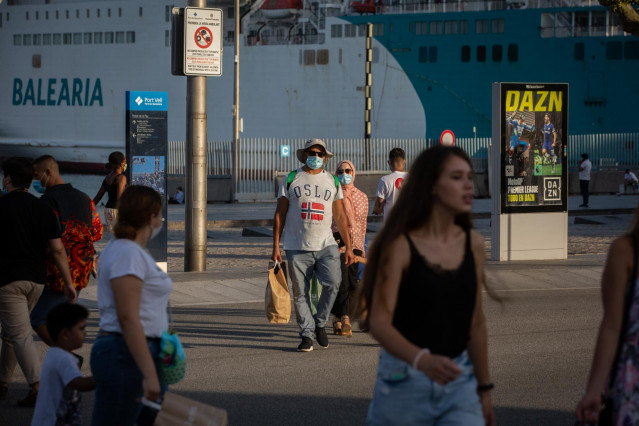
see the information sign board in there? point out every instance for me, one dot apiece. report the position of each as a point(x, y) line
point(202, 41)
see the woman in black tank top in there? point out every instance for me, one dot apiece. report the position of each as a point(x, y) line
point(421, 300)
point(113, 185)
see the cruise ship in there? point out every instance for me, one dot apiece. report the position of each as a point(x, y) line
point(66, 65)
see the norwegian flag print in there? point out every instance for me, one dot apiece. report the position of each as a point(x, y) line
point(312, 211)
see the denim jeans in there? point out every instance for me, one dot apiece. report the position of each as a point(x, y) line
point(405, 396)
point(47, 301)
point(118, 394)
point(301, 265)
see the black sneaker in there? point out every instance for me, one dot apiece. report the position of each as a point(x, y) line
point(321, 337)
point(306, 345)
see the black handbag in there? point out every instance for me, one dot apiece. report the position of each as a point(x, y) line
point(606, 413)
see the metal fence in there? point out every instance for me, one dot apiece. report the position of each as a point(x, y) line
point(260, 160)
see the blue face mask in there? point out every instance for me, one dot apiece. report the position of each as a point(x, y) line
point(37, 186)
point(345, 178)
point(314, 163)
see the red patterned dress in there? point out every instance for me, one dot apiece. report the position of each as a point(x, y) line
point(81, 227)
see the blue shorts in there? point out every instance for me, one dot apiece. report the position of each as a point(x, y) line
point(548, 147)
point(48, 300)
point(514, 142)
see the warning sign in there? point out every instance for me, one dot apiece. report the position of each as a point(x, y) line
point(202, 41)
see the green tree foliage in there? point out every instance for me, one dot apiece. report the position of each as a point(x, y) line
point(628, 11)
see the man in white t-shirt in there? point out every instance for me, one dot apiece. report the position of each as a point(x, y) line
point(307, 201)
point(390, 185)
point(585, 166)
point(630, 179)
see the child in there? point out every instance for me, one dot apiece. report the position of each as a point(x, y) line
point(59, 401)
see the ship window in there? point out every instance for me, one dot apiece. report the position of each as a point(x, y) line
point(513, 53)
point(97, 11)
point(614, 24)
point(614, 50)
point(432, 54)
point(581, 24)
point(563, 24)
point(88, 13)
point(497, 25)
point(361, 30)
point(375, 55)
point(77, 38)
point(37, 39)
point(481, 53)
point(57, 39)
point(422, 54)
point(46, 39)
point(108, 37)
point(378, 30)
point(27, 15)
point(66, 14)
point(167, 13)
point(322, 57)
point(37, 16)
point(46, 14)
point(97, 38)
point(67, 38)
point(421, 28)
point(497, 53)
point(57, 14)
point(463, 27)
point(167, 38)
point(350, 30)
point(120, 11)
point(77, 14)
point(450, 27)
point(36, 61)
point(109, 12)
point(340, 56)
point(119, 37)
point(0, 20)
point(87, 38)
point(547, 25)
point(230, 12)
point(26, 39)
point(140, 11)
point(465, 53)
point(580, 52)
point(481, 26)
point(598, 19)
point(336, 31)
point(309, 57)
point(130, 36)
point(436, 27)
point(17, 40)
point(631, 49)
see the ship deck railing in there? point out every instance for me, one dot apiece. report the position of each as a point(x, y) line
point(479, 6)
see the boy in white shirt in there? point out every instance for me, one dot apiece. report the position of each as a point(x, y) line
point(390, 185)
point(59, 401)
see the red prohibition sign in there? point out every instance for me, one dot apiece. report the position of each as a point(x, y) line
point(203, 37)
point(447, 138)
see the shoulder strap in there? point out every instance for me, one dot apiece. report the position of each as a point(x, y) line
point(628, 299)
point(289, 178)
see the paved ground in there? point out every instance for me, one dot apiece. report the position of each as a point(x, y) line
point(541, 336)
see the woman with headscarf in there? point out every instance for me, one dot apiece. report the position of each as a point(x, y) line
point(356, 207)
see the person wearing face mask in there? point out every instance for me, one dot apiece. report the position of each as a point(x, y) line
point(28, 228)
point(356, 208)
point(308, 202)
point(81, 227)
point(133, 293)
point(113, 185)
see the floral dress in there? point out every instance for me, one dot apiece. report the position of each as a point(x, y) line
point(625, 389)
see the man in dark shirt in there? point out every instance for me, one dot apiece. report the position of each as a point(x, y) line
point(27, 228)
point(81, 227)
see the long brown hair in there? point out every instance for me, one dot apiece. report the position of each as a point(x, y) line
point(411, 210)
point(136, 205)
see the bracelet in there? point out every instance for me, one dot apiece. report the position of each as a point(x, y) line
point(485, 388)
point(418, 356)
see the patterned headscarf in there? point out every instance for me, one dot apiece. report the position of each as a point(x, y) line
point(348, 192)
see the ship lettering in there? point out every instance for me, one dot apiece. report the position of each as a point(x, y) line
point(55, 92)
point(533, 100)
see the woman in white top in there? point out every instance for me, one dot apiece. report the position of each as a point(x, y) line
point(133, 294)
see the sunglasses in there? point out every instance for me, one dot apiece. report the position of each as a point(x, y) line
point(316, 154)
point(342, 171)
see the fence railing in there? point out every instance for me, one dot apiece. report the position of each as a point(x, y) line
point(260, 158)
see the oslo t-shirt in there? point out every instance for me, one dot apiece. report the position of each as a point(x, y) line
point(57, 401)
point(310, 210)
point(123, 257)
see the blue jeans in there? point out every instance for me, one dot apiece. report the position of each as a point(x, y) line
point(46, 302)
point(405, 396)
point(118, 394)
point(301, 265)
